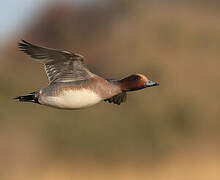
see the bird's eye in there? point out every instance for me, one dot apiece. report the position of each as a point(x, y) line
point(137, 78)
point(134, 78)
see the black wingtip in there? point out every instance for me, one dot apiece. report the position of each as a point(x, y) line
point(24, 46)
point(25, 42)
point(22, 43)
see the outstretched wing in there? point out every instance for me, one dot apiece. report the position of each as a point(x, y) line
point(117, 99)
point(59, 65)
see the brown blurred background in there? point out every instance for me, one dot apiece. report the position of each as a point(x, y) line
point(166, 132)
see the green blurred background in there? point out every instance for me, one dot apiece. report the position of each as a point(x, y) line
point(165, 132)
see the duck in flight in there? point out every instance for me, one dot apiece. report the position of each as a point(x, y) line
point(71, 84)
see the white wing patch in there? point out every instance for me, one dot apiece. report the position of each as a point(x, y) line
point(72, 99)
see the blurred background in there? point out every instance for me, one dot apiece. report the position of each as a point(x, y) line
point(166, 132)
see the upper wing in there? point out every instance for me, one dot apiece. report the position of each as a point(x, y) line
point(59, 65)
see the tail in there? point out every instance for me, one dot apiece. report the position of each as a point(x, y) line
point(31, 97)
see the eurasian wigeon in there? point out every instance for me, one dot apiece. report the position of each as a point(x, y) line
point(72, 85)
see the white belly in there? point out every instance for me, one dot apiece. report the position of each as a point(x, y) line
point(72, 99)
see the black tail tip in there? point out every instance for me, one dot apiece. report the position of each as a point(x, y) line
point(17, 98)
point(27, 98)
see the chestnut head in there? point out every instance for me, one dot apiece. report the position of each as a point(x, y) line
point(135, 82)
